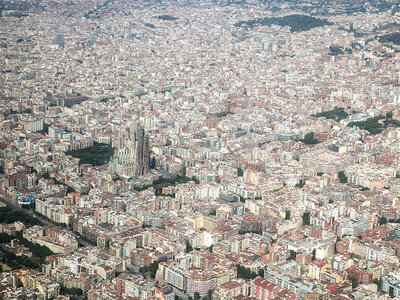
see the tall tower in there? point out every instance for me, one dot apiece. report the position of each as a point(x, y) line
point(133, 159)
point(142, 152)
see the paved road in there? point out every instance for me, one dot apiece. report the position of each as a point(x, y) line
point(27, 211)
point(37, 216)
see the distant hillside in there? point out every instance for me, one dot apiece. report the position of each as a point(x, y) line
point(296, 22)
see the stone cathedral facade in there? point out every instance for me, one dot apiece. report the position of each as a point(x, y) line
point(132, 158)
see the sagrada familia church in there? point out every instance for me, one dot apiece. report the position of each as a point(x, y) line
point(132, 158)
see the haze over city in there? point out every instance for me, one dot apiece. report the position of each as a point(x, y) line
point(199, 149)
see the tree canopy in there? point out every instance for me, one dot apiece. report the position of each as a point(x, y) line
point(375, 125)
point(306, 218)
point(309, 139)
point(296, 22)
point(97, 155)
point(342, 177)
point(336, 114)
point(245, 273)
point(390, 38)
point(162, 182)
point(10, 215)
point(152, 269)
point(167, 18)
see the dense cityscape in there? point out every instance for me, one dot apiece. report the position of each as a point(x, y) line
point(200, 149)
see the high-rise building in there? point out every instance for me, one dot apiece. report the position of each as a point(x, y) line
point(132, 159)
